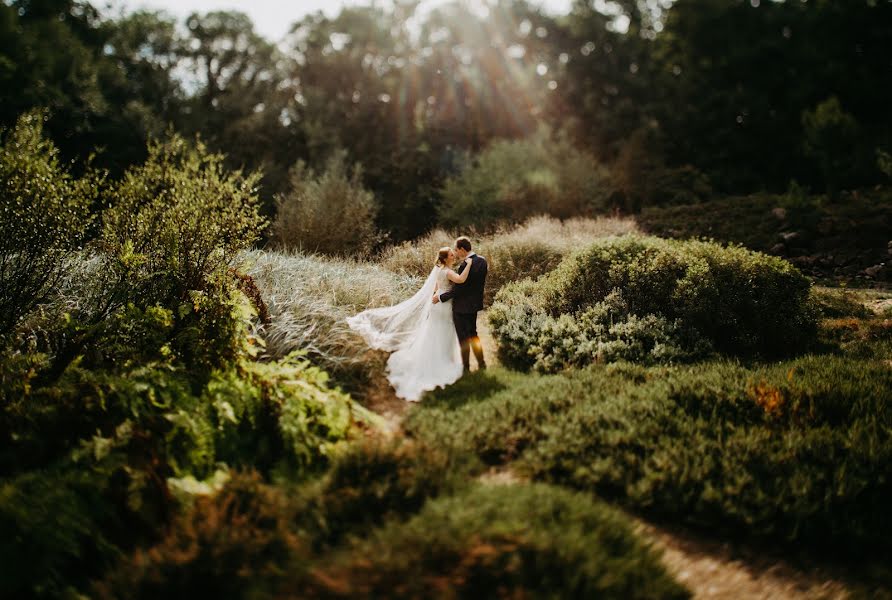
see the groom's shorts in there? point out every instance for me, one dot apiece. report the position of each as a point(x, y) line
point(465, 325)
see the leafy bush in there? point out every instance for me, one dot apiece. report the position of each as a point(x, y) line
point(113, 441)
point(179, 219)
point(530, 541)
point(331, 213)
point(513, 180)
point(831, 140)
point(235, 544)
point(176, 224)
point(792, 452)
point(369, 483)
point(528, 250)
point(44, 217)
point(685, 297)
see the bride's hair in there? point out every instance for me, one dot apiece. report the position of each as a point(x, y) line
point(443, 256)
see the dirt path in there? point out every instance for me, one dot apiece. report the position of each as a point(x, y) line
point(714, 570)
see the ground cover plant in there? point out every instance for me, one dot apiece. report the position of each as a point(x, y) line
point(535, 540)
point(650, 300)
point(792, 452)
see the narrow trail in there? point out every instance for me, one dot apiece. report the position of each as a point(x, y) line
point(710, 569)
point(715, 570)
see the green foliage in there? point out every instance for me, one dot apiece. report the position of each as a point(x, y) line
point(831, 140)
point(331, 213)
point(653, 300)
point(44, 215)
point(234, 544)
point(528, 541)
point(513, 180)
point(116, 431)
point(179, 219)
point(369, 483)
point(793, 452)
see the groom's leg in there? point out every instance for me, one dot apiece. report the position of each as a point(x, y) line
point(477, 346)
point(461, 329)
point(466, 355)
point(474, 341)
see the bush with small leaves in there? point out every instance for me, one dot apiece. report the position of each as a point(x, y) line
point(514, 180)
point(236, 543)
point(44, 218)
point(329, 213)
point(654, 300)
point(491, 541)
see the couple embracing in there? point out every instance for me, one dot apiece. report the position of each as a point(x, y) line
point(432, 333)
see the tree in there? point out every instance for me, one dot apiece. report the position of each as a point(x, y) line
point(832, 141)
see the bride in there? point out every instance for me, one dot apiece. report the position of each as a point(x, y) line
point(426, 353)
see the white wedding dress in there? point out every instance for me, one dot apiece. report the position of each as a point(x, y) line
point(421, 334)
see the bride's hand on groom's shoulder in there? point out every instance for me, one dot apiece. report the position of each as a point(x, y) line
point(469, 260)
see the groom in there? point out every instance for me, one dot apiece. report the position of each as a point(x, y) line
point(467, 299)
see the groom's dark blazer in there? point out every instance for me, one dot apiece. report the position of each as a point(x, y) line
point(467, 297)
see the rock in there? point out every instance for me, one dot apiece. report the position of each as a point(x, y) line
point(780, 213)
point(789, 236)
point(777, 249)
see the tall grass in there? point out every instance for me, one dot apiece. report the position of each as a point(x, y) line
point(309, 298)
point(528, 250)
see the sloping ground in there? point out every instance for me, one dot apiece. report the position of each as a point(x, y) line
point(846, 240)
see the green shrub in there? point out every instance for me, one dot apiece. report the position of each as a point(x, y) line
point(490, 541)
point(331, 213)
point(179, 219)
point(176, 224)
point(795, 452)
point(44, 218)
point(237, 543)
point(831, 140)
point(513, 180)
point(371, 482)
point(111, 445)
point(685, 297)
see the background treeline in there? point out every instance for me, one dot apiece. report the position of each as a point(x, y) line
point(635, 104)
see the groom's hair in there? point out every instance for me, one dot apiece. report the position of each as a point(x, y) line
point(463, 243)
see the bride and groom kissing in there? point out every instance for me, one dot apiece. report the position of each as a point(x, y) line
point(431, 335)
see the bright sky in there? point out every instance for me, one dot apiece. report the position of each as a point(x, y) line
point(273, 18)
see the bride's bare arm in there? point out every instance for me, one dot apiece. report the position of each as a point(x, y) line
point(456, 278)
